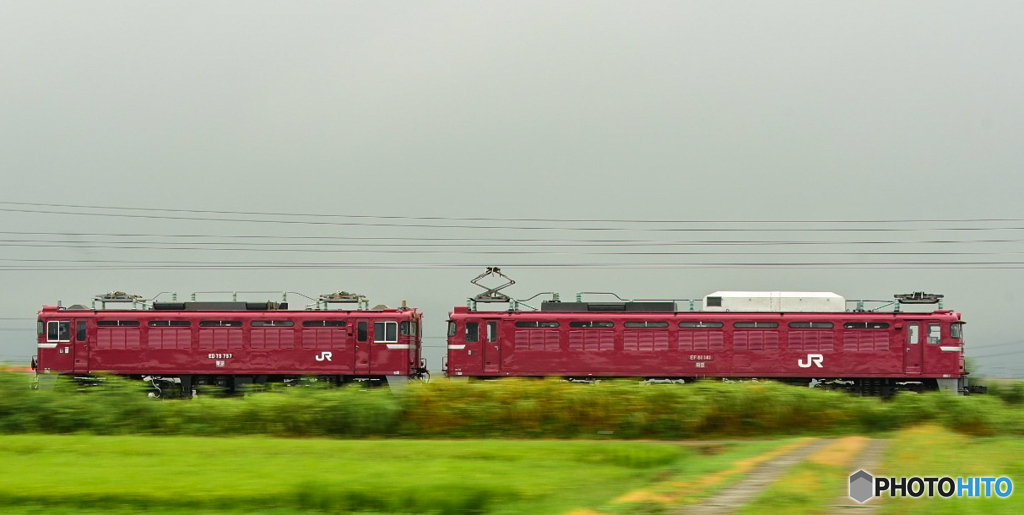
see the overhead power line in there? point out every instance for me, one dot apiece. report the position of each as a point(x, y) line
point(136, 265)
point(516, 220)
point(984, 347)
point(456, 249)
point(490, 223)
point(1011, 353)
point(72, 240)
point(74, 237)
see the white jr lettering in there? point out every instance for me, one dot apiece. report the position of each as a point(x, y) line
point(814, 359)
point(324, 356)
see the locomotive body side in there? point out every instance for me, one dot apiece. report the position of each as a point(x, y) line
point(888, 350)
point(231, 347)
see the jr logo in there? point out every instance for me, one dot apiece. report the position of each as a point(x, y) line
point(327, 356)
point(814, 359)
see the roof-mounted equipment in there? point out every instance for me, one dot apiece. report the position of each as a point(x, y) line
point(623, 305)
point(492, 294)
point(918, 297)
point(117, 296)
point(343, 297)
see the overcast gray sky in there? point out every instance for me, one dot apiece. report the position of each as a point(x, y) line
point(866, 148)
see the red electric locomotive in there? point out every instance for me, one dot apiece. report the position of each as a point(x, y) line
point(807, 338)
point(180, 345)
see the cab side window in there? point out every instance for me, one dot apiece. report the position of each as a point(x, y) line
point(80, 331)
point(385, 332)
point(58, 331)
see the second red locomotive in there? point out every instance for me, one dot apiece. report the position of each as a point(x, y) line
point(807, 338)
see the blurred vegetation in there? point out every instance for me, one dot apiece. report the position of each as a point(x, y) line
point(1011, 392)
point(931, 450)
point(134, 474)
point(500, 409)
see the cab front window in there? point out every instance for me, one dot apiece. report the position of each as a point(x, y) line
point(956, 331)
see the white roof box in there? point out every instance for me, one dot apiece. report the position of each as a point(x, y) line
point(775, 301)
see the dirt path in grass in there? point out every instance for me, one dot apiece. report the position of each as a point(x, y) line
point(735, 496)
point(870, 459)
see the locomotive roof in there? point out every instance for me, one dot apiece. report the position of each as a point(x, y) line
point(199, 308)
point(786, 302)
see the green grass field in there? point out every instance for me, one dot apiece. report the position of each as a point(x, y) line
point(79, 450)
point(932, 451)
point(46, 474)
point(73, 474)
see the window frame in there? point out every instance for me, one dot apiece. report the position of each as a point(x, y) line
point(701, 324)
point(755, 325)
point(645, 324)
point(812, 325)
point(118, 323)
point(472, 332)
point(220, 323)
point(956, 330)
point(324, 323)
point(272, 323)
point(170, 323)
point(384, 338)
point(869, 326)
point(592, 324)
point(56, 338)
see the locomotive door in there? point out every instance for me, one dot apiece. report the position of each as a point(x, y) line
point(913, 348)
point(56, 350)
point(491, 347)
point(362, 347)
point(81, 346)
